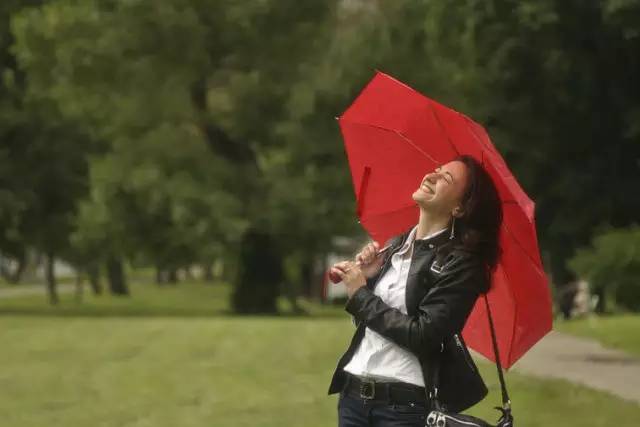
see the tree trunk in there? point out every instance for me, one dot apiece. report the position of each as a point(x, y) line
point(173, 276)
point(291, 291)
point(50, 276)
point(94, 279)
point(307, 275)
point(601, 305)
point(160, 276)
point(256, 287)
point(22, 265)
point(116, 277)
point(565, 299)
point(208, 272)
point(219, 141)
point(317, 289)
point(79, 286)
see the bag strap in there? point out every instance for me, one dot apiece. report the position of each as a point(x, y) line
point(431, 390)
point(506, 402)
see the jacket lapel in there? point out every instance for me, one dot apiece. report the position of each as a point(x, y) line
point(419, 279)
point(418, 282)
point(387, 262)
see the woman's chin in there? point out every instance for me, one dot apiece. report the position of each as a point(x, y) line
point(420, 201)
point(420, 197)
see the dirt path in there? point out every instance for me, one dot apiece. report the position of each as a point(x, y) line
point(586, 362)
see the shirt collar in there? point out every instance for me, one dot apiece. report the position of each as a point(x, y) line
point(414, 230)
point(412, 234)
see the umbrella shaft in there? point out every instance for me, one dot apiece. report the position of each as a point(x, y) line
point(380, 252)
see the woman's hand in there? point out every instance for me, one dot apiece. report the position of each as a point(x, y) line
point(350, 274)
point(369, 260)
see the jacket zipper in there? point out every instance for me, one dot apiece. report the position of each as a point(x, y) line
point(464, 352)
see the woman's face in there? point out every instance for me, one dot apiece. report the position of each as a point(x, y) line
point(442, 190)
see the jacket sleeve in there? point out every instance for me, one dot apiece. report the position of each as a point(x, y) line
point(371, 281)
point(442, 312)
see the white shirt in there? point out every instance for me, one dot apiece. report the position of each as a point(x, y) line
point(376, 356)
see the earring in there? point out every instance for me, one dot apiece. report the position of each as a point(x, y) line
point(453, 228)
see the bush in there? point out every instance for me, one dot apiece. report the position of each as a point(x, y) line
point(612, 265)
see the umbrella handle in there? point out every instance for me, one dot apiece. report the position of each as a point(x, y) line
point(336, 279)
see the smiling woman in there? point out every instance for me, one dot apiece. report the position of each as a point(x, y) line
point(405, 307)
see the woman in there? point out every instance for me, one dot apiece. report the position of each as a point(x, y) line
point(406, 303)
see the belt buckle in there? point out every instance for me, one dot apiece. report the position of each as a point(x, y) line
point(367, 388)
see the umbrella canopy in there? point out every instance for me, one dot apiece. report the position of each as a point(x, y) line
point(393, 136)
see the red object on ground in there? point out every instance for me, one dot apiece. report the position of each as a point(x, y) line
point(393, 136)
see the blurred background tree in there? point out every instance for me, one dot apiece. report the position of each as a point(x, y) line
point(204, 129)
point(612, 267)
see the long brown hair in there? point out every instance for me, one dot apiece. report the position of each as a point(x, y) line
point(478, 228)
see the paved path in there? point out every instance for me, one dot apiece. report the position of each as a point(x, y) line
point(583, 361)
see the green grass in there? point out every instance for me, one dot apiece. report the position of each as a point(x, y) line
point(187, 299)
point(617, 331)
point(184, 300)
point(170, 357)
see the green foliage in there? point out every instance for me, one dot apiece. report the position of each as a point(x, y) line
point(162, 82)
point(613, 263)
point(43, 160)
point(207, 117)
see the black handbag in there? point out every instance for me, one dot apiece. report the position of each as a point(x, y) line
point(441, 416)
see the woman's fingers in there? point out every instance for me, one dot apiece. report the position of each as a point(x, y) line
point(342, 265)
point(368, 253)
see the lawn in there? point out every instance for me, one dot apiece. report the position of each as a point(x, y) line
point(171, 357)
point(617, 331)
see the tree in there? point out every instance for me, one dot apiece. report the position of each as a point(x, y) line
point(129, 69)
point(44, 159)
point(611, 264)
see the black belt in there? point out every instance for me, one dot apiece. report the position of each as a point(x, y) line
point(391, 392)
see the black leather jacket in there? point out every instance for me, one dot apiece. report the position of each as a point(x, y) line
point(442, 286)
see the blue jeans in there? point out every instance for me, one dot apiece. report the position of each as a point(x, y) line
point(357, 412)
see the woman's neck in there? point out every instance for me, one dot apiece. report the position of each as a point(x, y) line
point(429, 224)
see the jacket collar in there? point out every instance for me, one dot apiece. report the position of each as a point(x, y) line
point(430, 243)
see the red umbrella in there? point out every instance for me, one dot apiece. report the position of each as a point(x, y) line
point(393, 135)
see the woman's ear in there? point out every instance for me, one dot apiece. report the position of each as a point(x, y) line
point(458, 212)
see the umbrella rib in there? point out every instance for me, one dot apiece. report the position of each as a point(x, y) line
point(416, 147)
point(475, 136)
point(515, 318)
point(399, 134)
point(442, 128)
point(364, 185)
point(513, 237)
